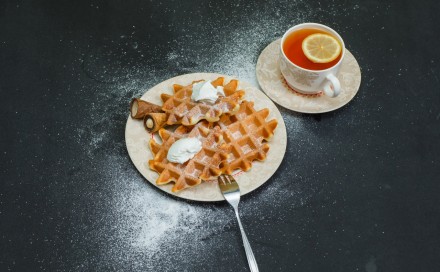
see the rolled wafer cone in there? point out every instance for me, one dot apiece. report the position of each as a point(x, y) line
point(139, 108)
point(155, 121)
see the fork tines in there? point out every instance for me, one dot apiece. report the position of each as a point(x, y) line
point(225, 179)
point(227, 184)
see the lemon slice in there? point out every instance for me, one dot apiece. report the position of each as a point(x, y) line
point(321, 48)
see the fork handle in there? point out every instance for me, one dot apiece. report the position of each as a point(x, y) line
point(247, 247)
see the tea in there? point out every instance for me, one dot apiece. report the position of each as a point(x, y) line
point(292, 48)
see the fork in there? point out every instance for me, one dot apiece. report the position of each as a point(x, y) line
point(231, 192)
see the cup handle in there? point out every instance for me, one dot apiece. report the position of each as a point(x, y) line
point(333, 87)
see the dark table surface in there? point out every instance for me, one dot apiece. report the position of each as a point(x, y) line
point(358, 189)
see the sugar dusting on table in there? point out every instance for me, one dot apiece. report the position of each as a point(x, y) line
point(140, 226)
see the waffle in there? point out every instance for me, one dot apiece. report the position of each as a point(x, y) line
point(234, 142)
point(245, 134)
point(204, 165)
point(182, 110)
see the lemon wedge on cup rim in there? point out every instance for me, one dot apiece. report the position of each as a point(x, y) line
point(321, 48)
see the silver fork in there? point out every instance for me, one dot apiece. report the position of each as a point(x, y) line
point(231, 192)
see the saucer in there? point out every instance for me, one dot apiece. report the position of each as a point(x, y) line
point(275, 86)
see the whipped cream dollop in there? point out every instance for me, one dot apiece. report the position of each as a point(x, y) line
point(184, 149)
point(205, 92)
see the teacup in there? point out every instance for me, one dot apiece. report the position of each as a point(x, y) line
point(309, 81)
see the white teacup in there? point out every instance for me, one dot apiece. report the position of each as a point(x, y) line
point(311, 81)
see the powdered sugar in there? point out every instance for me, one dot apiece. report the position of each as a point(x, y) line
point(141, 227)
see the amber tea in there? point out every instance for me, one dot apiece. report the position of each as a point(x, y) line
point(292, 48)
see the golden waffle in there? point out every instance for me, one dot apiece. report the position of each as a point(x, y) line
point(234, 142)
point(182, 110)
point(204, 165)
point(244, 134)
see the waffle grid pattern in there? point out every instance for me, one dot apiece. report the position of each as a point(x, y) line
point(182, 110)
point(245, 134)
point(202, 166)
point(232, 143)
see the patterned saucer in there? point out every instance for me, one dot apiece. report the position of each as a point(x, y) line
point(274, 85)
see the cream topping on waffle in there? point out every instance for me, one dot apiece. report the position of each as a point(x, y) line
point(205, 92)
point(184, 149)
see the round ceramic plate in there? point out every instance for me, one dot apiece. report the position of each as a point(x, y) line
point(274, 85)
point(137, 139)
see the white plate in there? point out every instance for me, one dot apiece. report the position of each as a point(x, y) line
point(137, 139)
point(274, 85)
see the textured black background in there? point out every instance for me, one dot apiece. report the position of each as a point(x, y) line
point(358, 189)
